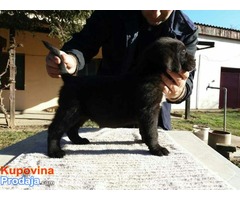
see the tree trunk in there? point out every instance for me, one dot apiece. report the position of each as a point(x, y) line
point(12, 77)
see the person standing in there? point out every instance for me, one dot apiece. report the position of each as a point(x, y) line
point(123, 36)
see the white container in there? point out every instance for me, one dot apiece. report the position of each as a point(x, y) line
point(201, 132)
point(221, 137)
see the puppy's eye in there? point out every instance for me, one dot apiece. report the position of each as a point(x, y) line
point(183, 52)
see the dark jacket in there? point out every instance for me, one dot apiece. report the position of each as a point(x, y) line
point(123, 35)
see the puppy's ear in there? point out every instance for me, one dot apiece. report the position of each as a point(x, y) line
point(190, 63)
point(155, 59)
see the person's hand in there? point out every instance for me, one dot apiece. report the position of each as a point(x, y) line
point(174, 88)
point(53, 61)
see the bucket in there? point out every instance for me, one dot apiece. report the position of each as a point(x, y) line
point(201, 131)
point(216, 136)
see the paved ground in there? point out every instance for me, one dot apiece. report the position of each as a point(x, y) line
point(29, 118)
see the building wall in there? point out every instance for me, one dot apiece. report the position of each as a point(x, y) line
point(40, 91)
point(226, 53)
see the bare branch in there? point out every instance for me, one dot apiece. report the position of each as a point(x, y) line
point(3, 109)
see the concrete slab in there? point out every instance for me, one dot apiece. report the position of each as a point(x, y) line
point(208, 157)
point(201, 151)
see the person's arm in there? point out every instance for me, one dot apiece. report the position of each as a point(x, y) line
point(82, 47)
point(86, 44)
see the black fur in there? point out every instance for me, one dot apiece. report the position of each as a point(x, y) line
point(119, 101)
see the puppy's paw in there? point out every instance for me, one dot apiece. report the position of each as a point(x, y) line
point(159, 151)
point(56, 154)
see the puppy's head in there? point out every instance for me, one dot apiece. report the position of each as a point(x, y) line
point(166, 53)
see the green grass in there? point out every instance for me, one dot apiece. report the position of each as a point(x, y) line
point(9, 137)
point(212, 119)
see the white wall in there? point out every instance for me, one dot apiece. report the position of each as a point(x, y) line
point(226, 53)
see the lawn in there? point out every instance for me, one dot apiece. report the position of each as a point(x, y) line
point(9, 137)
point(213, 119)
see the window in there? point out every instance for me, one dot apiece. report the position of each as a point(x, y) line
point(20, 64)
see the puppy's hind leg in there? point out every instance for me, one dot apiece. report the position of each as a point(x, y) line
point(55, 133)
point(64, 119)
point(74, 136)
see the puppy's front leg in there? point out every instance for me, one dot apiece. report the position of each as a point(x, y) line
point(148, 130)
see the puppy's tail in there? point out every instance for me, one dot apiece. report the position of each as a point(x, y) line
point(55, 51)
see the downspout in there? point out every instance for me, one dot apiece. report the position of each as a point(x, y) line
point(198, 77)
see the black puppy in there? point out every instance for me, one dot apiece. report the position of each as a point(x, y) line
point(118, 101)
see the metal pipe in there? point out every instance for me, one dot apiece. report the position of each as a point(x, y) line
point(225, 104)
point(225, 108)
point(198, 80)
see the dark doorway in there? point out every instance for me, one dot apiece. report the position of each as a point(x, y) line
point(230, 78)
